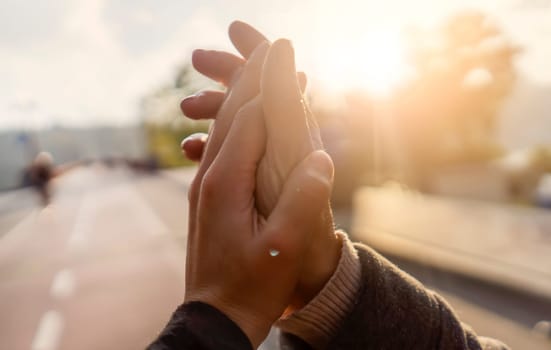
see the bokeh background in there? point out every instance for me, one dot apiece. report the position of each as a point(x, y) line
point(436, 114)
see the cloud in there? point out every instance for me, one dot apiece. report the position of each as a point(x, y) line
point(85, 72)
point(24, 23)
point(85, 62)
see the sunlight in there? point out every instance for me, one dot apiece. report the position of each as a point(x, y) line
point(374, 62)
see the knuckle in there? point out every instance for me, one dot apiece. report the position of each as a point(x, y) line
point(316, 187)
point(210, 185)
point(249, 109)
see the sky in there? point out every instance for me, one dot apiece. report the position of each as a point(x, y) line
point(88, 62)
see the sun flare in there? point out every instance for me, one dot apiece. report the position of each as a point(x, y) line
point(374, 62)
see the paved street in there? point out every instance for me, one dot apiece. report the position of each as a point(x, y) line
point(14, 206)
point(102, 266)
point(97, 269)
point(496, 258)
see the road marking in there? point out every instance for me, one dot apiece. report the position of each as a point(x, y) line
point(146, 218)
point(78, 238)
point(63, 285)
point(77, 242)
point(49, 331)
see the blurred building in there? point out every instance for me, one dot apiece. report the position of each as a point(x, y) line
point(514, 177)
point(17, 148)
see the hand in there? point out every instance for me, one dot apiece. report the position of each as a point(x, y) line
point(291, 134)
point(229, 264)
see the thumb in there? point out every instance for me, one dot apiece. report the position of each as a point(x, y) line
point(300, 208)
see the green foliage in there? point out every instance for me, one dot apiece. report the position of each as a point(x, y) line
point(445, 114)
point(164, 142)
point(163, 121)
point(540, 159)
point(464, 72)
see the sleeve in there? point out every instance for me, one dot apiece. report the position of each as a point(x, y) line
point(199, 326)
point(318, 321)
point(391, 310)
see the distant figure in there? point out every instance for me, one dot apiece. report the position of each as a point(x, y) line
point(41, 172)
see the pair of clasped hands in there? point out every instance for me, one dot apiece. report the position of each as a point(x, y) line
point(261, 239)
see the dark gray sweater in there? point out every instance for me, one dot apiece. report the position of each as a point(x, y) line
point(392, 310)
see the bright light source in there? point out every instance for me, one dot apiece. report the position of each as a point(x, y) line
point(374, 62)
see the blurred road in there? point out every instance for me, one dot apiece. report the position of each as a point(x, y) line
point(97, 269)
point(491, 261)
point(509, 245)
point(14, 206)
point(103, 266)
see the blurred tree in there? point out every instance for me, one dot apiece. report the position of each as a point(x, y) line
point(445, 113)
point(540, 159)
point(164, 124)
point(464, 71)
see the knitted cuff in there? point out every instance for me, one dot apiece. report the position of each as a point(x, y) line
point(318, 321)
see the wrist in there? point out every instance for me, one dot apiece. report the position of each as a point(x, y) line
point(252, 323)
point(319, 320)
point(320, 264)
point(256, 327)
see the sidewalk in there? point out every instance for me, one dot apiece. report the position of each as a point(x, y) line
point(501, 244)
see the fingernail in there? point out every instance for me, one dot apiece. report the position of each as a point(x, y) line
point(198, 52)
point(188, 99)
point(193, 97)
point(195, 136)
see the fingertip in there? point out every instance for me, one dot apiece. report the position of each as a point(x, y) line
point(280, 61)
point(285, 46)
point(192, 146)
point(235, 26)
point(187, 101)
point(203, 105)
point(321, 165)
point(196, 56)
point(188, 106)
point(244, 37)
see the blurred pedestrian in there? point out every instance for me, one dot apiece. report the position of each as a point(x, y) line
point(41, 172)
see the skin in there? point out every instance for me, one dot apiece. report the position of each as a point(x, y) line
point(284, 149)
point(263, 174)
point(229, 262)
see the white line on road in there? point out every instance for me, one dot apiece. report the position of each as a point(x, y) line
point(49, 331)
point(78, 238)
point(63, 285)
point(145, 216)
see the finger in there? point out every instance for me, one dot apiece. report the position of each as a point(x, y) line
point(297, 213)
point(245, 38)
point(223, 66)
point(193, 146)
point(238, 158)
point(204, 105)
point(245, 89)
point(219, 66)
point(284, 110)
